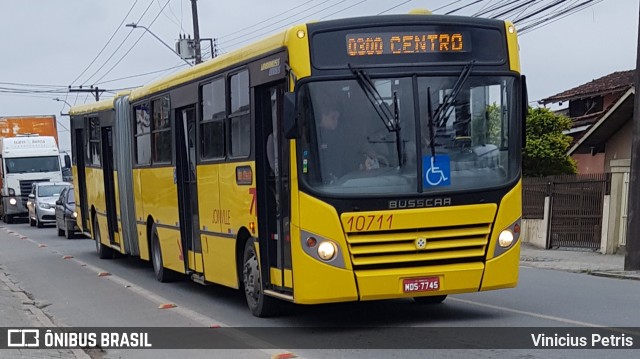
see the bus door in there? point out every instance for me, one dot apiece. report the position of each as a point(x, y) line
point(109, 184)
point(273, 183)
point(82, 178)
point(187, 184)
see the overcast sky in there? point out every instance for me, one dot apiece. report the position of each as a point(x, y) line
point(54, 43)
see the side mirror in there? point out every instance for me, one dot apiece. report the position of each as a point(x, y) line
point(32, 196)
point(289, 121)
point(67, 161)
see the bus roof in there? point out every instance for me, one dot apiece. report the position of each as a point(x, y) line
point(237, 56)
point(92, 107)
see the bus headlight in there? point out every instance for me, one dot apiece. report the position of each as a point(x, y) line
point(505, 238)
point(13, 201)
point(322, 249)
point(326, 251)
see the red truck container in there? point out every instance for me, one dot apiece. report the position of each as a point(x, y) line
point(11, 126)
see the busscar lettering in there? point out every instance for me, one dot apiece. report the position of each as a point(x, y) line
point(419, 203)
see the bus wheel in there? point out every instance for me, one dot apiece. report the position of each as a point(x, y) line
point(435, 299)
point(163, 274)
point(104, 252)
point(259, 304)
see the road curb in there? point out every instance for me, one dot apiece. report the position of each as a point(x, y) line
point(617, 274)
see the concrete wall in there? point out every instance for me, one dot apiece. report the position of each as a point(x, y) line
point(535, 231)
point(614, 217)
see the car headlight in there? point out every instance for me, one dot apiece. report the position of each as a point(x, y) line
point(44, 205)
point(12, 192)
point(13, 201)
point(75, 214)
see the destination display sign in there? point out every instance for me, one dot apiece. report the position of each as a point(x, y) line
point(402, 43)
point(410, 45)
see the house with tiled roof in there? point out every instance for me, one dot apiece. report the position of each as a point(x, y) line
point(601, 111)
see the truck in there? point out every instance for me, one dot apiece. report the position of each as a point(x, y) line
point(28, 148)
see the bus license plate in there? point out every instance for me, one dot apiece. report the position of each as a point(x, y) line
point(410, 285)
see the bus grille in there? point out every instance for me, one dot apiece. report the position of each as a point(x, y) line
point(398, 249)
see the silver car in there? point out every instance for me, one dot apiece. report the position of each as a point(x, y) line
point(42, 202)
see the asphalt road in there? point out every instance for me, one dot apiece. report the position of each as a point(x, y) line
point(73, 294)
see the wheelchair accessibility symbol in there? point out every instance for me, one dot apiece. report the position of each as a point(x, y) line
point(436, 171)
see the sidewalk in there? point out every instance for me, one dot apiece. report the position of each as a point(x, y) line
point(576, 260)
point(18, 310)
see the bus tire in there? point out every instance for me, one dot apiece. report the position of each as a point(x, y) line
point(103, 251)
point(434, 299)
point(163, 274)
point(259, 304)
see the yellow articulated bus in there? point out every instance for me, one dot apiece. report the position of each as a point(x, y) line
point(346, 160)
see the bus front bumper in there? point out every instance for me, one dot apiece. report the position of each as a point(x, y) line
point(496, 273)
point(396, 283)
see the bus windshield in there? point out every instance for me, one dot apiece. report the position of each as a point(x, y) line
point(466, 138)
point(33, 164)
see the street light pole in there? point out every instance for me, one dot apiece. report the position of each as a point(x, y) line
point(196, 31)
point(134, 25)
point(632, 257)
point(61, 100)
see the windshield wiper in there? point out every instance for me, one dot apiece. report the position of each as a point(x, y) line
point(390, 119)
point(447, 103)
point(448, 100)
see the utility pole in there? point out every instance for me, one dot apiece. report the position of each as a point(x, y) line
point(94, 90)
point(632, 257)
point(196, 31)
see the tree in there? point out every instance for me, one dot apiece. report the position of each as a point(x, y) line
point(545, 153)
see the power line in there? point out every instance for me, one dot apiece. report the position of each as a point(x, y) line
point(558, 2)
point(140, 75)
point(132, 46)
point(118, 48)
point(346, 8)
point(266, 20)
point(586, 4)
point(495, 7)
point(512, 9)
point(105, 45)
point(464, 7)
point(167, 16)
point(446, 5)
point(393, 7)
point(279, 21)
point(288, 24)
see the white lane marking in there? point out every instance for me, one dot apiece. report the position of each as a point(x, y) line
point(204, 320)
point(544, 316)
